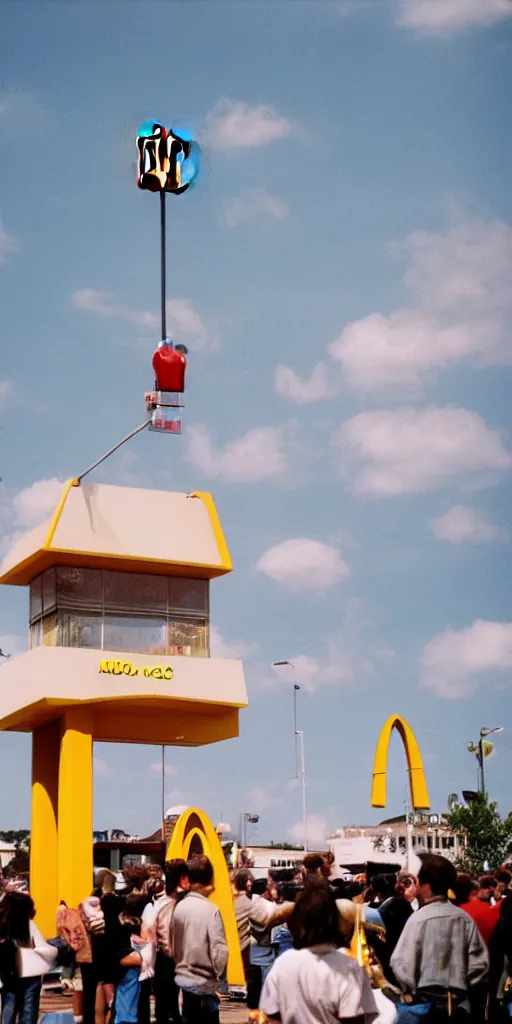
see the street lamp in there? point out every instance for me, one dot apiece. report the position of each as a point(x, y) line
point(247, 818)
point(480, 756)
point(300, 763)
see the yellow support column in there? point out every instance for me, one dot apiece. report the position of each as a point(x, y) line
point(75, 808)
point(43, 840)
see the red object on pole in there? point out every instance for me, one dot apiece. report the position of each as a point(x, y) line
point(169, 368)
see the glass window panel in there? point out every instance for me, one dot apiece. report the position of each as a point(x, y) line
point(138, 635)
point(36, 598)
point(49, 625)
point(188, 595)
point(129, 592)
point(189, 637)
point(79, 630)
point(49, 593)
point(80, 588)
point(35, 633)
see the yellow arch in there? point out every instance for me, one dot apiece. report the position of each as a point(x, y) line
point(417, 781)
point(195, 824)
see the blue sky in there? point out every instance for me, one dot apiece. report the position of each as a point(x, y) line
point(342, 278)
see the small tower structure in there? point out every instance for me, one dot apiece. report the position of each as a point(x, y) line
point(119, 651)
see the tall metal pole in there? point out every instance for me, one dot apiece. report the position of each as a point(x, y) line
point(163, 265)
point(163, 793)
point(300, 734)
point(295, 732)
point(300, 768)
point(408, 831)
point(481, 763)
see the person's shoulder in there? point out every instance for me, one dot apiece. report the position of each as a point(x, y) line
point(452, 910)
point(241, 899)
point(289, 959)
point(344, 960)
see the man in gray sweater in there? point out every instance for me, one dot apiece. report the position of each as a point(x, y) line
point(440, 957)
point(200, 948)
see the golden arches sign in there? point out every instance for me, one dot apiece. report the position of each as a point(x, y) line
point(194, 833)
point(417, 781)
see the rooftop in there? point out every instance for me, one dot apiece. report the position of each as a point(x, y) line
point(125, 528)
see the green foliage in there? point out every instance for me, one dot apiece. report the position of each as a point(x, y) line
point(20, 837)
point(488, 836)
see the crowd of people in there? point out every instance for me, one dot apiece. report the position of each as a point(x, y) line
point(315, 950)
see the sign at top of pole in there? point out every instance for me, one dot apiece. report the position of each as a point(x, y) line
point(168, 162)
point(168, 158)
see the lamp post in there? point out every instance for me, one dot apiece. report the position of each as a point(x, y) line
point(247, 818)
point(300, 763)
point(480, 756)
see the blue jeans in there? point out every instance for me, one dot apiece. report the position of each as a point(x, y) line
point(199, 1009)
point(23, 998)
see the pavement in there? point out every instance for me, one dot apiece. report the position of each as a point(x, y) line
point(53, 1001)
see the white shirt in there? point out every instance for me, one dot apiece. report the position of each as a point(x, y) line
point(36, 959)
point(321, 985)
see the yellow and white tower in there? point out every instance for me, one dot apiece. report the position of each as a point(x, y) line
point(119, 652)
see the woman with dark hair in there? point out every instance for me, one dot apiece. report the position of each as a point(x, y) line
point(31, 957)
point(316, 982)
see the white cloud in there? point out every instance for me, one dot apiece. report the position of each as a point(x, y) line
point(413, 451)
point(8, 244)
point(256, 205)
point(317, 831)
point(23, 108)
point(446, 16)
point(262, 454)
point(96, 301)
point(11, 644)
point(101, 768)
point(461, 283)
point(303, 564)
point(236, 125)
point(290, 385)
point(156, 768)
point(33, 504)
point(260, 800)
point(183, 322)
point(456, 662)
point(338, 667)
point(7, 394)
point(237, 649)
point(27, 508)
point(462, 524)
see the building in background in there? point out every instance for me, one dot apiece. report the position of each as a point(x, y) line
point(356, 845)
point(7, 853)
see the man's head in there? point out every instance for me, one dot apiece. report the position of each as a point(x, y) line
point(486, 887)
point(242, 880)
point(176, 876)
point(405, 887)
point(200, 872)
point(503, 880)
point(382, 887)
point(312, 867)
point(465, 889)
point(435, 877)
point(136, 879)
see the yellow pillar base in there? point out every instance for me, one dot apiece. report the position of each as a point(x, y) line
point(75, 859)
point(43, 840)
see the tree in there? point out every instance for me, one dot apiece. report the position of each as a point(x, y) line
point(487, 836)
point(19, 837)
